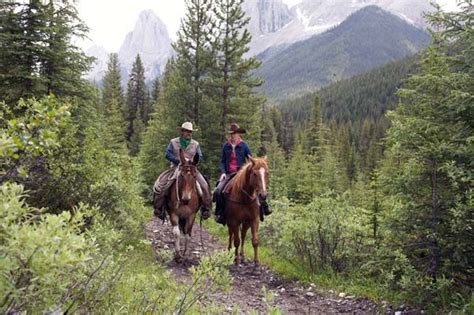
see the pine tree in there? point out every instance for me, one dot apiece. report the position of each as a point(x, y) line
point(301, 173)
point(193, 57)
point(20, 42)
point(37, 56)
point(430, 154)
point(113, 103)
point(232, 75)
point(277, 164)
point(136, 111)
point(63, 63)
point(315, 130)
point(155, 91)
point(161, 128)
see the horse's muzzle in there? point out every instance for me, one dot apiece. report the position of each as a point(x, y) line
point(185, 198)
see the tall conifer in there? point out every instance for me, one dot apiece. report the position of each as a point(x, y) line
point(113, 102)
point(429, 151)
point(37, 55)
point(136, 111)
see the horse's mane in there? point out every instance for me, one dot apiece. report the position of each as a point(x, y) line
point(240, 178)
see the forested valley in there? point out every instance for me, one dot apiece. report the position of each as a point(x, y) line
point(371, 177)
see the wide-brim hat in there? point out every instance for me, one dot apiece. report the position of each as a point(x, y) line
point(234, 128)
point(187, 126)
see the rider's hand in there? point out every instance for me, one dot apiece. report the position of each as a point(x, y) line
point(222, 177)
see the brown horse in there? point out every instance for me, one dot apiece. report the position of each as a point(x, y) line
point(242, 206)
point(183, 203)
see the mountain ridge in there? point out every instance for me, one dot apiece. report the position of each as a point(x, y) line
point(272, 24)
point(368, 38)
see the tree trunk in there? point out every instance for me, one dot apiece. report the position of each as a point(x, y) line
point(433, 242)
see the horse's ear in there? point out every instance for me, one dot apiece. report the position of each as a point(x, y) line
point(181, 156)
point(252, 160)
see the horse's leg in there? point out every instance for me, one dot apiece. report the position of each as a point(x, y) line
point(235, 233)
point(245, 227)
point(254, 228)
point(174, 222)
point(229, 247)
point(187, 233)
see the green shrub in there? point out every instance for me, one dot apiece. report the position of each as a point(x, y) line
point(43, 255)
point(321, 234)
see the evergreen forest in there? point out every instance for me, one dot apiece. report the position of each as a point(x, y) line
point(371, 177)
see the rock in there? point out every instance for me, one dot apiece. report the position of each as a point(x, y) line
point(282, 290)
point(398, 313)
point(155, 231)
point(342, 295)
point(312, 284)
point(351, 297)
point(166, 246)
point(331, 291)
point(310, 294)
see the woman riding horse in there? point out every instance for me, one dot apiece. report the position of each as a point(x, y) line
point(235, 152)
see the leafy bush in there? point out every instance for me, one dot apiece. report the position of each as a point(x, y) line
point(319, 234)
point(43, 256)
point(29, 130)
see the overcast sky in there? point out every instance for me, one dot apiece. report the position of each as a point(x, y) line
point(110, 20)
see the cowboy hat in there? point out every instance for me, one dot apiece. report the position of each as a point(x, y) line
point(186, 126)
point(234, 128)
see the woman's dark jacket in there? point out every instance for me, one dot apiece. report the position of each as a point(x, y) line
point(242, 152)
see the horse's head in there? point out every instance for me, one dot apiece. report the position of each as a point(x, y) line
point(186, 178)
point(257, 174)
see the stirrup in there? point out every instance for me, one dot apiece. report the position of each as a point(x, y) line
point(161, 214)
point(220, 219)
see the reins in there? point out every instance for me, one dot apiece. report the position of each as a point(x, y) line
point(252, 199)
point(178, 198)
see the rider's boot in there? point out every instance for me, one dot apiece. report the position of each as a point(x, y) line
point(264, 206)
point(158, 206)
point(206, 210)
point(220, 218)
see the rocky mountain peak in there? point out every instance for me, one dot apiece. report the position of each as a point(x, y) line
point(267, 16)
point(151, 40)
point(310, 17)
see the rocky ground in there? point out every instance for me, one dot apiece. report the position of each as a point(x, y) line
point(247, 292)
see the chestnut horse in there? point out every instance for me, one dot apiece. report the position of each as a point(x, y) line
point(242, 207)
point(183, 203)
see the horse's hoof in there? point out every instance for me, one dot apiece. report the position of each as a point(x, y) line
point(257, 269)
point(178, 257)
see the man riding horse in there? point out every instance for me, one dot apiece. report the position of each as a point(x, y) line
point(235, 153)
point(192, 152)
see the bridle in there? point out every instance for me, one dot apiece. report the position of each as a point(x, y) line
point(252, 198)
point(178, 197)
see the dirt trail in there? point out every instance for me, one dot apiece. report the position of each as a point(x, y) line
point(290, 297)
